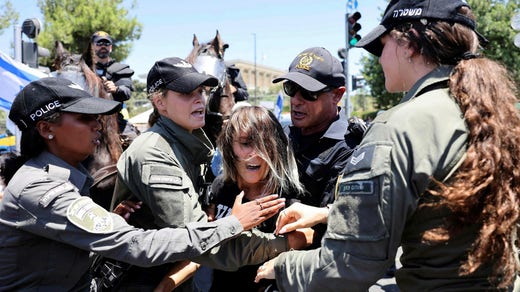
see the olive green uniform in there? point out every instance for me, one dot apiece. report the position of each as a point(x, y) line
point(375, 210)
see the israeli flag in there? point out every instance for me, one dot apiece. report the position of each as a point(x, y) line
point(13, 77)
point(278, 108)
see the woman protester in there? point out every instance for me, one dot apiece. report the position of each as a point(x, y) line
point(436, 174)
point(258, 161)
point(49, 225)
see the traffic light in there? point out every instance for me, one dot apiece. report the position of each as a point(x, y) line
point(30, 50)
point(353, 28)
point(357, 82)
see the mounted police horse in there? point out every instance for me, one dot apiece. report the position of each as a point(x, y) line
point(209, 58)
point(102, 164)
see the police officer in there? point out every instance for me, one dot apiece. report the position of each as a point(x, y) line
point(319, 133)
point(425, 176)
point(116, 76)
point(48, 223)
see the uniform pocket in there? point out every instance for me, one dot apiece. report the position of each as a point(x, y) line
point(359, 209)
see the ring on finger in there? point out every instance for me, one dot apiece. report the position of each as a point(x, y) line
point(258, 203)
point(261, 207)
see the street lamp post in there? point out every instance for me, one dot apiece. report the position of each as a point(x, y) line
point(255, 98)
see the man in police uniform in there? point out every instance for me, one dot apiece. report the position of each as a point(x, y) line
point(321, 135)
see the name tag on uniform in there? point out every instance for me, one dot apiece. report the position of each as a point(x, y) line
point(356, 188)
point(166, 179)
point(49, 196)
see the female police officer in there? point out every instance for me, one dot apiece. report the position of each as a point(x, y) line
point(48, 224)
point(436, 174)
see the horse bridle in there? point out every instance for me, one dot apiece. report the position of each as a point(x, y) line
point(215, 66)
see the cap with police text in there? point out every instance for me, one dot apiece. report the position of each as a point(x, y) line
point(315, 69)
point(178, 75)
point(402, 11)
point(100, 35)
point(45, 96)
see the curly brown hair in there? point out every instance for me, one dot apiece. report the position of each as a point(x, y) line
point(485, 189)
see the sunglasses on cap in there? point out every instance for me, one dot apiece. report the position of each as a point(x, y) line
point(290, 88)
point(103, 43)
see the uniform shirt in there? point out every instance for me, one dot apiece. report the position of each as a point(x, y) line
point(163, 168)
point(375, 209)
point(48, 225)
point(121, 75)
point(320, 158)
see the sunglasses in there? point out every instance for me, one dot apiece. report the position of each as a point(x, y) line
point(290, 88)
point(103, 43)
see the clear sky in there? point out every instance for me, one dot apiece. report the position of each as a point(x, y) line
point(276, 29)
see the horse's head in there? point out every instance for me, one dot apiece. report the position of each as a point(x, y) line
point(64, 60)
point(73, 67)
point(209, 58)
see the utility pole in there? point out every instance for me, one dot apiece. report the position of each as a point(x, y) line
point(256, 74)
point(351, 38)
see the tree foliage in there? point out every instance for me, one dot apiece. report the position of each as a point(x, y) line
point(74, 21)
point(7, 15)
point(493, 21)
point(373, 74)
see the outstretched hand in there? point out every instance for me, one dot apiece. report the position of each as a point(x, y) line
point(299, 215)
point(265, 271)
point(126, 208)
point(252, 213)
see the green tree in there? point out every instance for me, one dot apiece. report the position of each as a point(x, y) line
point(74, 21)
point(493, 21)
point(7, 15)
point(373, 74)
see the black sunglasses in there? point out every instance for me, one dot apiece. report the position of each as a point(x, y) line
point(103, 43)
point(290, 88)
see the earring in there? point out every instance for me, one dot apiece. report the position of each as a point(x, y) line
point(50, 137)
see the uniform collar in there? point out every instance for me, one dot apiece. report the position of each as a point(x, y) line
point(336, 130)
point(437, 75)
point(196, 142)
point(57, 167)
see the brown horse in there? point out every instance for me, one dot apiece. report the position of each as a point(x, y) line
point(102, 164)
point(209, 58)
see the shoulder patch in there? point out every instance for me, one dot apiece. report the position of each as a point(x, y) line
point(361, 158)
point(89, 216)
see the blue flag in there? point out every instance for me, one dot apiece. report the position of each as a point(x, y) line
point(278, 108)
point(13, 77)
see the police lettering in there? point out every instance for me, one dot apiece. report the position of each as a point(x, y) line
point(44, 110)
point(407, 12)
